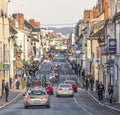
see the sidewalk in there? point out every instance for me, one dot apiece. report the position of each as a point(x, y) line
point(114, 106)
point(14, 95)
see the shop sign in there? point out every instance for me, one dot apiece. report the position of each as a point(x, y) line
point(4, 66)
point(96, 60)
point(112, 46)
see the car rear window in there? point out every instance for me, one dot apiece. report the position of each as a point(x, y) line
point(37, 92)
point(65, 86)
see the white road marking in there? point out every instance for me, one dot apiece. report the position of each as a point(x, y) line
point(75, 100)
point(81, 106)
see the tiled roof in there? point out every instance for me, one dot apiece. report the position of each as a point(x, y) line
point(29, 26)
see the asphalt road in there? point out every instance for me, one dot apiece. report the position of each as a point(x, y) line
point(80, 104)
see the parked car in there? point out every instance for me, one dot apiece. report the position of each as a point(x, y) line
point(49, 88)
point(64, 90)
point(36, 96)
point(73, 83)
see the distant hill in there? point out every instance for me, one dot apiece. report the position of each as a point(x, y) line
point(63, 30)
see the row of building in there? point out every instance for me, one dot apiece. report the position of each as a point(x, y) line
point(95, 43)
point(21, 41)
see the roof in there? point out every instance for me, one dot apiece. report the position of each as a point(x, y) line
point(29, 26)
point(13, 30)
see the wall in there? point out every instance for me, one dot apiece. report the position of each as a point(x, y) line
point(4, 32)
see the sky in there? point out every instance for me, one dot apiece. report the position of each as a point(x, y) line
point(52, 12)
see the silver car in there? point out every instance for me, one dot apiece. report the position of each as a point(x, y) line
point(64, 90)
point(37, 96)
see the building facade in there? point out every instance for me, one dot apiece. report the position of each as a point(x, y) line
point(4, 33)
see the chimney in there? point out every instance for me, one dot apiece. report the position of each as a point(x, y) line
point(32, 22)
point(95, 12)
point(88, 14)
point(20, 18)
point(106, 10)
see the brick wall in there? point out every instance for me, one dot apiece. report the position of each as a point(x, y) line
point(20, 18)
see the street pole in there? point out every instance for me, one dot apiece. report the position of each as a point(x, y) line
point(24, 49)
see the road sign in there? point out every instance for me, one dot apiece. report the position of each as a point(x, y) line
point(96, 60)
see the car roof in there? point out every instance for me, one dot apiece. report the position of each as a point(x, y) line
point(36, 88)
point(64, 84)
point(69, 80)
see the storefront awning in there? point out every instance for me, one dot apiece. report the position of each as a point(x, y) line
point(19, 64)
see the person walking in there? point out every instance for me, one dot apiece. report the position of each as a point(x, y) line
point(110, 92)
point(91, 82)
point(3, 86)
point(87, 83)
point(6, 92)
point(100, 91)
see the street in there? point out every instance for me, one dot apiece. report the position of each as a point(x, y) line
point(81, 103)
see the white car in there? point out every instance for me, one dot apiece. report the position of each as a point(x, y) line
point(64, 90)
point(36, 97)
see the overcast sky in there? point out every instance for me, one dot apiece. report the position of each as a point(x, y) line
point(51, 11)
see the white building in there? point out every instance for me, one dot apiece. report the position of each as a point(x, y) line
point(4, 32)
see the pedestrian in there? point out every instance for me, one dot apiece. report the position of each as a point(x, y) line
point(110, 92)
point(17, 84)
point(87, 83)
point(3, 86)
point(10, 82)
point(100, 90)
point(83, 73)
point(91, 82)
point(79, 71)
point(36, 82)
point(6, 91)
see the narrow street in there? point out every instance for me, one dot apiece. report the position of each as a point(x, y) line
point(81, 103)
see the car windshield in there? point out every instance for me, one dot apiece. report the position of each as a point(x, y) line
point(37, 92)
point(65, 86)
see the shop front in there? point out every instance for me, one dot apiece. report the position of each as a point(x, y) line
point(117, 77)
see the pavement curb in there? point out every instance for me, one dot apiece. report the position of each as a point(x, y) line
point(117, 110)
point(14, 99)
point(102, 104)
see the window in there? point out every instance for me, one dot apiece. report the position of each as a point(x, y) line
point(118, 6)
point(37, 92)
